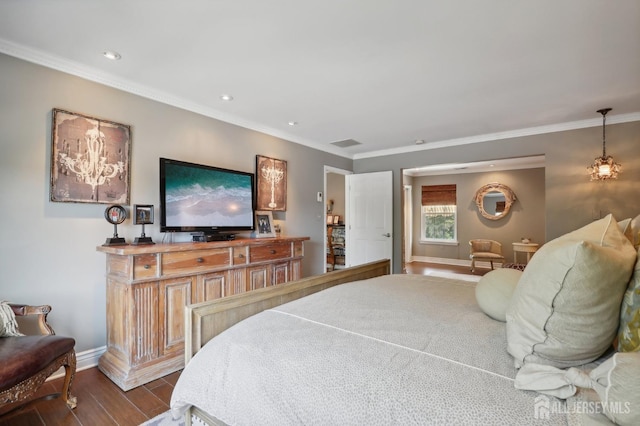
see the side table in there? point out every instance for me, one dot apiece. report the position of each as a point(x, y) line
point(528, 248)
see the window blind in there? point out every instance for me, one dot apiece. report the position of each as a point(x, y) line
point(439, 195)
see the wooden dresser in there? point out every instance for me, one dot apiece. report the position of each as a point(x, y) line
point(148, 287)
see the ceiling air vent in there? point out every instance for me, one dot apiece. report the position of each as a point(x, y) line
point(346, 143)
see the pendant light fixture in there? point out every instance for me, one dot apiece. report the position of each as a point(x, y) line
point(604, 167)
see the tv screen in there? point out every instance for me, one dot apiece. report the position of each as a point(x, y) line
point(200, 198)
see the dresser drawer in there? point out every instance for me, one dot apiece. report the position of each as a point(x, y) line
point(144, 266)
point(270, 252)
point(240, 255)
point(194, 261)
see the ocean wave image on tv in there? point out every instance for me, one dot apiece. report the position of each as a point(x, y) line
point(204, 197)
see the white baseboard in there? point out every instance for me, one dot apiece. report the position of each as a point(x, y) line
point(84, 360)
point(455, 262)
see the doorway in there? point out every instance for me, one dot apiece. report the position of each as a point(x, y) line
point(334, 206)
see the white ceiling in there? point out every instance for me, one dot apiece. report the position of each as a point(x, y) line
point(382, 72)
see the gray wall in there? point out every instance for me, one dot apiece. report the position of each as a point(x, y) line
point(525, 219)
point(47, 250)
point(571, 200)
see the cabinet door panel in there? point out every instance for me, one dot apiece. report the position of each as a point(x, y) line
point(280, 273)
point(211, 286)
point(175, 294)
point(259, 277)
point(144, 322)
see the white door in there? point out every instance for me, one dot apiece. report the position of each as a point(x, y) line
point(408, 225)
point(369, 210)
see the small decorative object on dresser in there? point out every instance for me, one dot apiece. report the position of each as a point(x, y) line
point(264, 225)
point(115, 215)
point(143, 215)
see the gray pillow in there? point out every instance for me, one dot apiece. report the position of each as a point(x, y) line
point(566, 307)
point(494, 291)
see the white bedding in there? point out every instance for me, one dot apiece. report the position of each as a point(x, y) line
point(399, 349)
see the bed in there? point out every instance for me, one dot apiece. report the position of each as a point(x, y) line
point(361, 346)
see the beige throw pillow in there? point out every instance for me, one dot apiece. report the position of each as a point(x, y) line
point(8, 324)
point(566, 307)
point(617, 382)
point(494, 292)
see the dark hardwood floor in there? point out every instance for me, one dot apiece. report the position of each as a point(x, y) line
point(101, 402)
point(420, 268)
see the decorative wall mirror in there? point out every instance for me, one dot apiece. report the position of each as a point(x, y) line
point(494, 200)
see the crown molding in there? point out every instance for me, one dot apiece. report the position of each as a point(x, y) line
point(552, 128)
point(70, 67)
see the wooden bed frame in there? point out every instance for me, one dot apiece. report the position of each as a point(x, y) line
point(204, 321)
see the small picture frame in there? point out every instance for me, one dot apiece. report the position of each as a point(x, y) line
point(336, 219)
point(143, 214)
point(264, 224)
point(329, 219)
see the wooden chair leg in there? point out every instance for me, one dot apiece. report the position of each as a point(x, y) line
point(491, 261)
point(69, 374)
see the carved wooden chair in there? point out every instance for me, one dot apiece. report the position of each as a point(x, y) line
point(27, 361)
point(485, 250)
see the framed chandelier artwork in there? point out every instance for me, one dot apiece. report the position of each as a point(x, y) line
point(90, 159)
point(271, 184)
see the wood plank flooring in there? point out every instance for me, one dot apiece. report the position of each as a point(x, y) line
point(101, 402)
point(421, 268)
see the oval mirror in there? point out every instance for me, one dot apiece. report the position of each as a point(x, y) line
point(494, 200)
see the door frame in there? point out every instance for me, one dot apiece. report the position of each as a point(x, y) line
point(327, 170)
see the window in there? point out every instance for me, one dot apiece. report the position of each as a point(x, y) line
point(439, 214)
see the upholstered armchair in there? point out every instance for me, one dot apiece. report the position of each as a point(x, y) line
point(485, 250)
point(27, 361)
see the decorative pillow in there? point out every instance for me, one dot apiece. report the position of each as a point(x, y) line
point(629, 331)
point(8, 324)
point(635, 230)
point(566, 307)
point(625, 228)
point(494, 291)
point(617, 382)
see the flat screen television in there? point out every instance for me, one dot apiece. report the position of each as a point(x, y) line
point(204, 199)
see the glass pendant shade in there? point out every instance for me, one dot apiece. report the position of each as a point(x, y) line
point(604, 167)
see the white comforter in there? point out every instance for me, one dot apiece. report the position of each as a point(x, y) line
point(399, 349)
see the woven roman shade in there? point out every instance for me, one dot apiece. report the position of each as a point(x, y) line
point(439, 195)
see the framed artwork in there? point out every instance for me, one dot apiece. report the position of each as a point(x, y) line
point(90, 159)
point(336, 219)
point(329, 219)
point(264, 224)
point(271, 183)
point(143, 214)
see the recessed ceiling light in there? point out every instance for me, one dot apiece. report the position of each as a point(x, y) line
point(419, 141)
point(226, 97)
point(110, 54)
point(293, 123)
